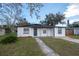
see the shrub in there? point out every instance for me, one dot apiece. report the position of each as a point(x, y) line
point(7, 30)
point(9, 39)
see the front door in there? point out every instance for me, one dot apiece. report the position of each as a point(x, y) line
point(35, 31)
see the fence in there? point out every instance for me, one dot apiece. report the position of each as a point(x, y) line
point(69, 32)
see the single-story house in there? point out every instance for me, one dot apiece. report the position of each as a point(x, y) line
point(38, 30)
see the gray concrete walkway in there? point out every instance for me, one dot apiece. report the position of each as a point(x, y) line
point(46, 50)
point(70, 39)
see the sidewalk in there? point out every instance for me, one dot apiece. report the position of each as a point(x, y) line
point(46, 50)
point(70, 39)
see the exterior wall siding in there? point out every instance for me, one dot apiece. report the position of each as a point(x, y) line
point(40, 33)
point(49, 32)
point(21, 34)
point(59, 35)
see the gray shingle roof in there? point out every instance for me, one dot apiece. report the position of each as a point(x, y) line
point(38, 26)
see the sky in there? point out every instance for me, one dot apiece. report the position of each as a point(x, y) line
point(71, 12)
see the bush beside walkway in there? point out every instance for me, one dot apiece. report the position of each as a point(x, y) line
point(23, 47)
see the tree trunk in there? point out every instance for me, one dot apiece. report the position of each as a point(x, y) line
point(12, 28)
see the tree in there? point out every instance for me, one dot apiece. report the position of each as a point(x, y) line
point(34, 8)
point(53, 19)
point(10, 13)
point(74, 24)
point(23, 22)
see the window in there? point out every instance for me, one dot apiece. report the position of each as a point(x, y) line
point(26, 31)
point(59, 30)
point(44, 31)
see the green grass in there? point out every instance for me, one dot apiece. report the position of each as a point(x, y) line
point(23, 47)
point(8, 34)
point(74, 36)
point(62, 47)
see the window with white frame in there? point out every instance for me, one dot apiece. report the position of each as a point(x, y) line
point(44, 31)
point(59, 30)
point(26, 30)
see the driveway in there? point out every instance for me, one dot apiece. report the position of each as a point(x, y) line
point(46, 50)
point(70, 39)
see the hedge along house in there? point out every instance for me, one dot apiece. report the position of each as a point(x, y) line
point(38, 30)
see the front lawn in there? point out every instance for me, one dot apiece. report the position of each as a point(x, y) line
point(62, 47)
point(23, 47)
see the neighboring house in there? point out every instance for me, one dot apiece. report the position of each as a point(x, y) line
point(37, 30)
point(72, 31)
point(76, 30)
point(2, 31)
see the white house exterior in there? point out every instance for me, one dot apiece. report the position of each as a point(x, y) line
point(62, 31)
point(40, 31)
point(76, 30)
